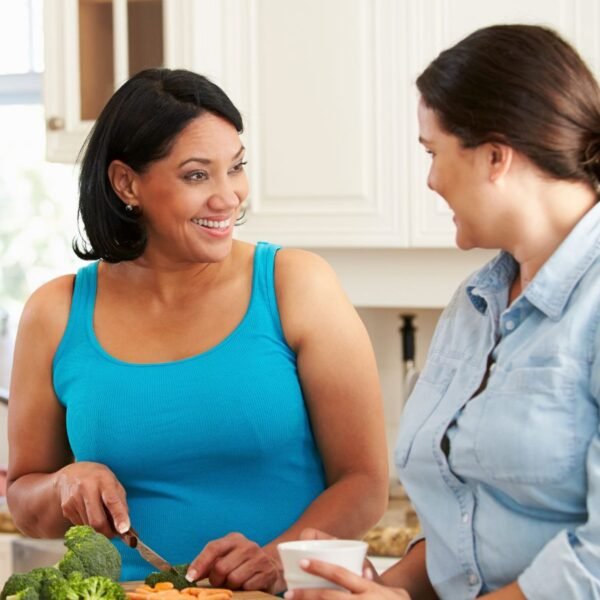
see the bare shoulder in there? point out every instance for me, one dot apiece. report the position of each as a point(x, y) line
point(309, 295)
point(302, 270)
point(47, 310)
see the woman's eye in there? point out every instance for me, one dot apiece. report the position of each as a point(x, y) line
point(239, 167)
point(197, 176)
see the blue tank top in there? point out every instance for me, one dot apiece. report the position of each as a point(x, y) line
point(204, 446)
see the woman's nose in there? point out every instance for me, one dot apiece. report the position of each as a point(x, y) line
point(226, 195)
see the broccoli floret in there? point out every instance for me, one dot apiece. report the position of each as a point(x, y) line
point(177, 579)
point(91, 554)
point(37, 579)
point(45, 576)
point(99, 588)
point(69, 563)
point(60, 589)
point(19, 582)
point(28, 593)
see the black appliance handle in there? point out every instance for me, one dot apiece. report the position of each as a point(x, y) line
point(408, 338)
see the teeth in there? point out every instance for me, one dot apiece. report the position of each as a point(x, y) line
point(212, 224)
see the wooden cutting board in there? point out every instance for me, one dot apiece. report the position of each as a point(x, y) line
point(130, 586)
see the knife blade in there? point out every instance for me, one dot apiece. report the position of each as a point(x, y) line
point(132, 539)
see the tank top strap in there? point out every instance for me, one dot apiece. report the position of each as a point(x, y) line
point(264, 281)
point(81, 315)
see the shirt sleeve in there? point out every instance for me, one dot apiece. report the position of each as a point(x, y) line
point(569, 565)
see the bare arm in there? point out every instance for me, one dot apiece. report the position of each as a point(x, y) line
point(411, 574)
point(339, 378)
point(340, 383)
point(46, 491)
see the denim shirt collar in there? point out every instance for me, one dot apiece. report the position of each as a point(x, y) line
point(553, 284)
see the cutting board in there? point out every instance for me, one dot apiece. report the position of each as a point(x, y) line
point(130, 586)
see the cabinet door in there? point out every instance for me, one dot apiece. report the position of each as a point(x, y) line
point(91, 48)
point(437, 24)
point(320, 86)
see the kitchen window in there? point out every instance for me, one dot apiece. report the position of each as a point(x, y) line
point(37, 198)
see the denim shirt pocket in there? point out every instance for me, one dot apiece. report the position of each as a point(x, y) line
point(527, 431)
point(422, 403)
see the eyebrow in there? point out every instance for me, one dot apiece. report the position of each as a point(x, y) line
point(207, 161)
point(422, 140)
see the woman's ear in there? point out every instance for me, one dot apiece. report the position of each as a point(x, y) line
point(122, 180)
point(500, 158)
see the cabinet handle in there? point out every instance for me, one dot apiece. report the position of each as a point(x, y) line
point(56, 123)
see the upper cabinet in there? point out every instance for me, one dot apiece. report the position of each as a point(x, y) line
point(92, 47)
point(326, 88)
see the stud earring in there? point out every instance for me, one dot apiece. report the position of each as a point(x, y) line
point(129, 208)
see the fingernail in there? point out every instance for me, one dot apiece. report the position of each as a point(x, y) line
point(304, 563)
point(288, 595)
point(369, 573)
point(122, 527)
point(191, 575)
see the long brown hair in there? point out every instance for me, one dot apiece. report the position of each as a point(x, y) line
point(522, 85)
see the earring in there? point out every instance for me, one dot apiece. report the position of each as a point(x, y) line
point(129, 208)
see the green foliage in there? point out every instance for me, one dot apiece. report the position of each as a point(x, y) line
point(92, 554)
point(88, 571)
point(45, 575)
point(177, 579)
point(26, 594)
point(99, 588)
point(19, 582)
point(70, 563)
point(77, 587)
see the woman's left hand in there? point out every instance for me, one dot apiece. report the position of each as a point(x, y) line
point(237, 563)
point(364, 587)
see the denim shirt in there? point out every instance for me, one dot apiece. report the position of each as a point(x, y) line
point(506, 481)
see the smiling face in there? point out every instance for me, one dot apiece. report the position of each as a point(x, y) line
point(461, 176)
point(191, 198)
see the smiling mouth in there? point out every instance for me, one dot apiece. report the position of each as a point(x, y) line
point(212, 224)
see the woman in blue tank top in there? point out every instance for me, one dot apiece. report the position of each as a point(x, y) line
point(218, 396)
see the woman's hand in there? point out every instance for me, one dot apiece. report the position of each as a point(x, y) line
point(237, 563)
point(316, 534)
point(364, 587)
point(90, 494)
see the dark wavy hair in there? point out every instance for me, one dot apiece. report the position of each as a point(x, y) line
point(524, 86)
point(138, 126)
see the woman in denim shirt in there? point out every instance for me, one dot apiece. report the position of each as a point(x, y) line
point(499, 445)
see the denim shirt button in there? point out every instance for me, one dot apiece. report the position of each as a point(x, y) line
point(465, 518)
point(473, 579)
point(510, 325)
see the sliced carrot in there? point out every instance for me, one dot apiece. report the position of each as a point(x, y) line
point(164, 585)
point(137, 595)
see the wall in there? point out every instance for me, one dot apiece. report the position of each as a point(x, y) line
point(383, 326)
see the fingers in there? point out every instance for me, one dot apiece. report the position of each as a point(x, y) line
point(203, 563)
point(116, 506)
point(314, 534)
point(235, 562)
point(336, 574)
point(90, 494)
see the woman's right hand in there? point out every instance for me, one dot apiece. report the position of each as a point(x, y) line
point(310, 533)
point(90, 494)
point(363, 587)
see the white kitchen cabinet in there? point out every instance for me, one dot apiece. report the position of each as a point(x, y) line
point(92, 46)
point(326, 88)
point(327, 91)
point(437, 24)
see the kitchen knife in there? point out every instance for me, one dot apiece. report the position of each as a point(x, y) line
point(132, 539)
point(408, 354)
